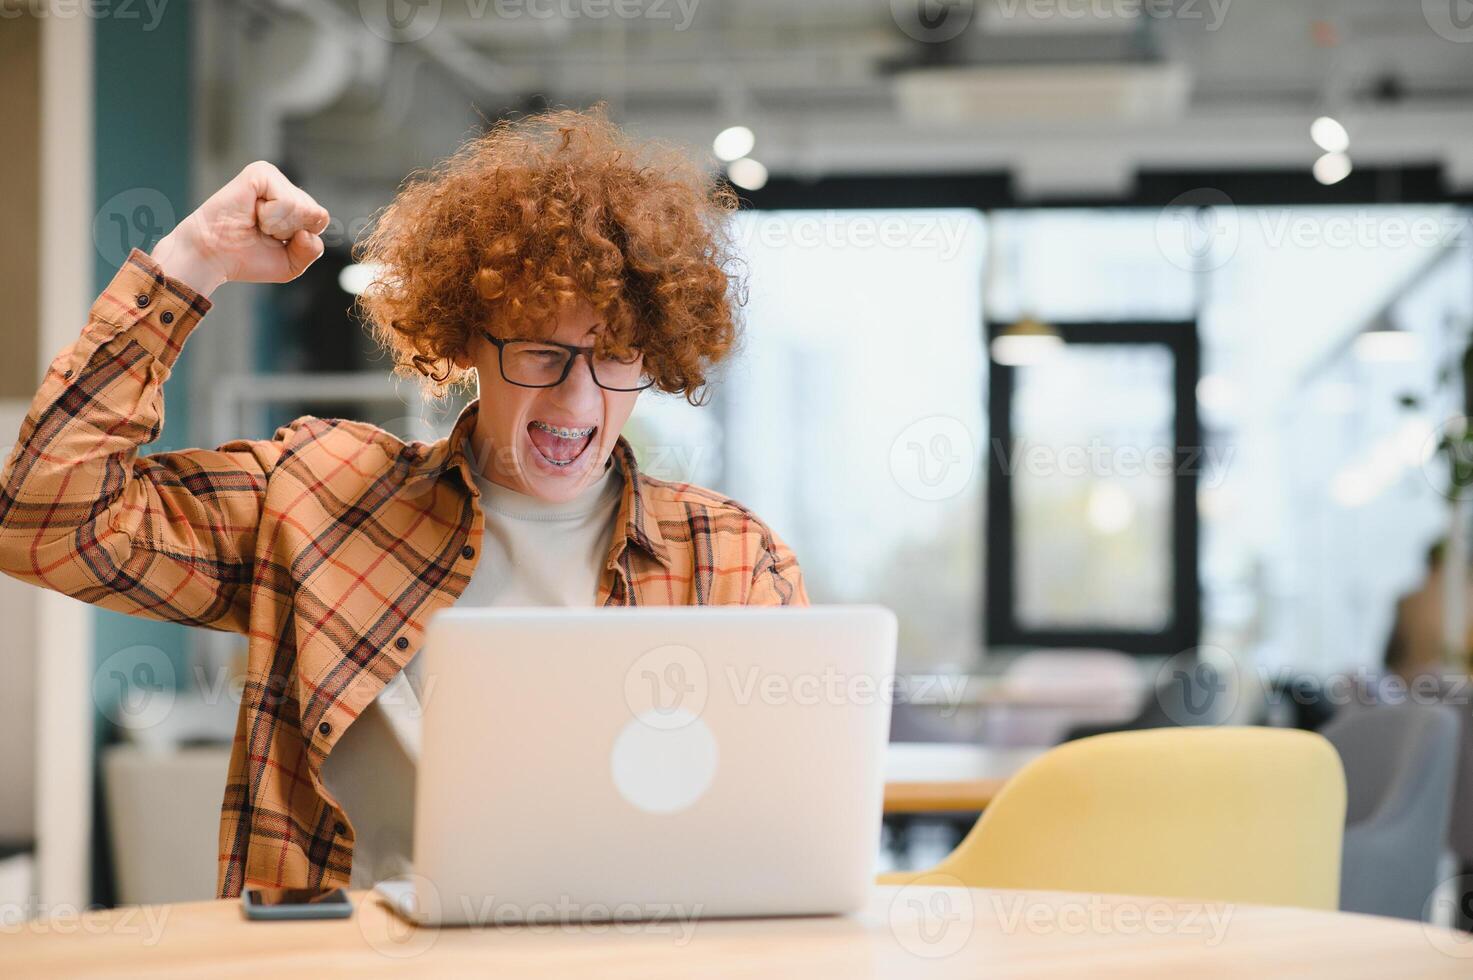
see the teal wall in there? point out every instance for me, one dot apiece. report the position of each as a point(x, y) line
point(143, 142)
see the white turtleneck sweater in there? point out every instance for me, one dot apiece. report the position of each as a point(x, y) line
point(533, 553)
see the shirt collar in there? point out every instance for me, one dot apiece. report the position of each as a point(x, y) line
point(634, 521)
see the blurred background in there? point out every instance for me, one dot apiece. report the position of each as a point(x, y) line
point(1120, 346)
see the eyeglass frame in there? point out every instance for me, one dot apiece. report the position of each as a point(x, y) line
point(573, 352)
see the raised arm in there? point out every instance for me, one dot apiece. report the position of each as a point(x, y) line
point(167, 535)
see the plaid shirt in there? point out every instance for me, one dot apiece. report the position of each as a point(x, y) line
point(329, 546)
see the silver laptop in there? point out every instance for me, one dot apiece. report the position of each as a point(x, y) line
point(643, 764)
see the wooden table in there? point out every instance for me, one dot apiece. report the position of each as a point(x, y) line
point(913, 931)
point(927, 777)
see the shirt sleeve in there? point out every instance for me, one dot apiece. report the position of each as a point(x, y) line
point(166, 536)
point(776, 578)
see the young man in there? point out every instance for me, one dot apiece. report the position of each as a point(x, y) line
point(553, 262)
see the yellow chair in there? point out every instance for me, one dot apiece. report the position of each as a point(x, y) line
point(1220, 814)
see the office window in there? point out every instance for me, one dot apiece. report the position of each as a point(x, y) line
point(852, 418)
point(1092, 486)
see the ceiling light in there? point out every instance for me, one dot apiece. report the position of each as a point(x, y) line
point(1329, 135)
point(356, 278)
point(733, 143)
point(1387, 345)
point(1332, 168)
point(1216, 394)
point(747, 174)
point(1026, 343)
point(1110, 508)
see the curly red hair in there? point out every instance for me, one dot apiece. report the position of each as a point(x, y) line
point(541, 212)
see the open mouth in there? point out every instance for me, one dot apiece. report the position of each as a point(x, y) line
point(559, 445)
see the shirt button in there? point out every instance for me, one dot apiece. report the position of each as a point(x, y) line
point(325, 728)
point(167, 316)
point(467, 552)
point(141, 299)
point(402, 643)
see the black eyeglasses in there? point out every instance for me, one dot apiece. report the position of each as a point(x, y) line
point(546, 363)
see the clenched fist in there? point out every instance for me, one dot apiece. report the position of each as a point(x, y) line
point(260, 227)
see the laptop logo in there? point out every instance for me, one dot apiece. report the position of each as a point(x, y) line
point(664, 759)
point(658, 768)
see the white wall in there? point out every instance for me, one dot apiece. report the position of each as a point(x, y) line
point(17, 682)
point(63, 643)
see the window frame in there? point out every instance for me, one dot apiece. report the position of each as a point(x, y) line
point(1182, 632)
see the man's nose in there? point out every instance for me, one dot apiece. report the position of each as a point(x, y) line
point(578, 388)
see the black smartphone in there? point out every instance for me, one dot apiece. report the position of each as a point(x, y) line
point(296, 903)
